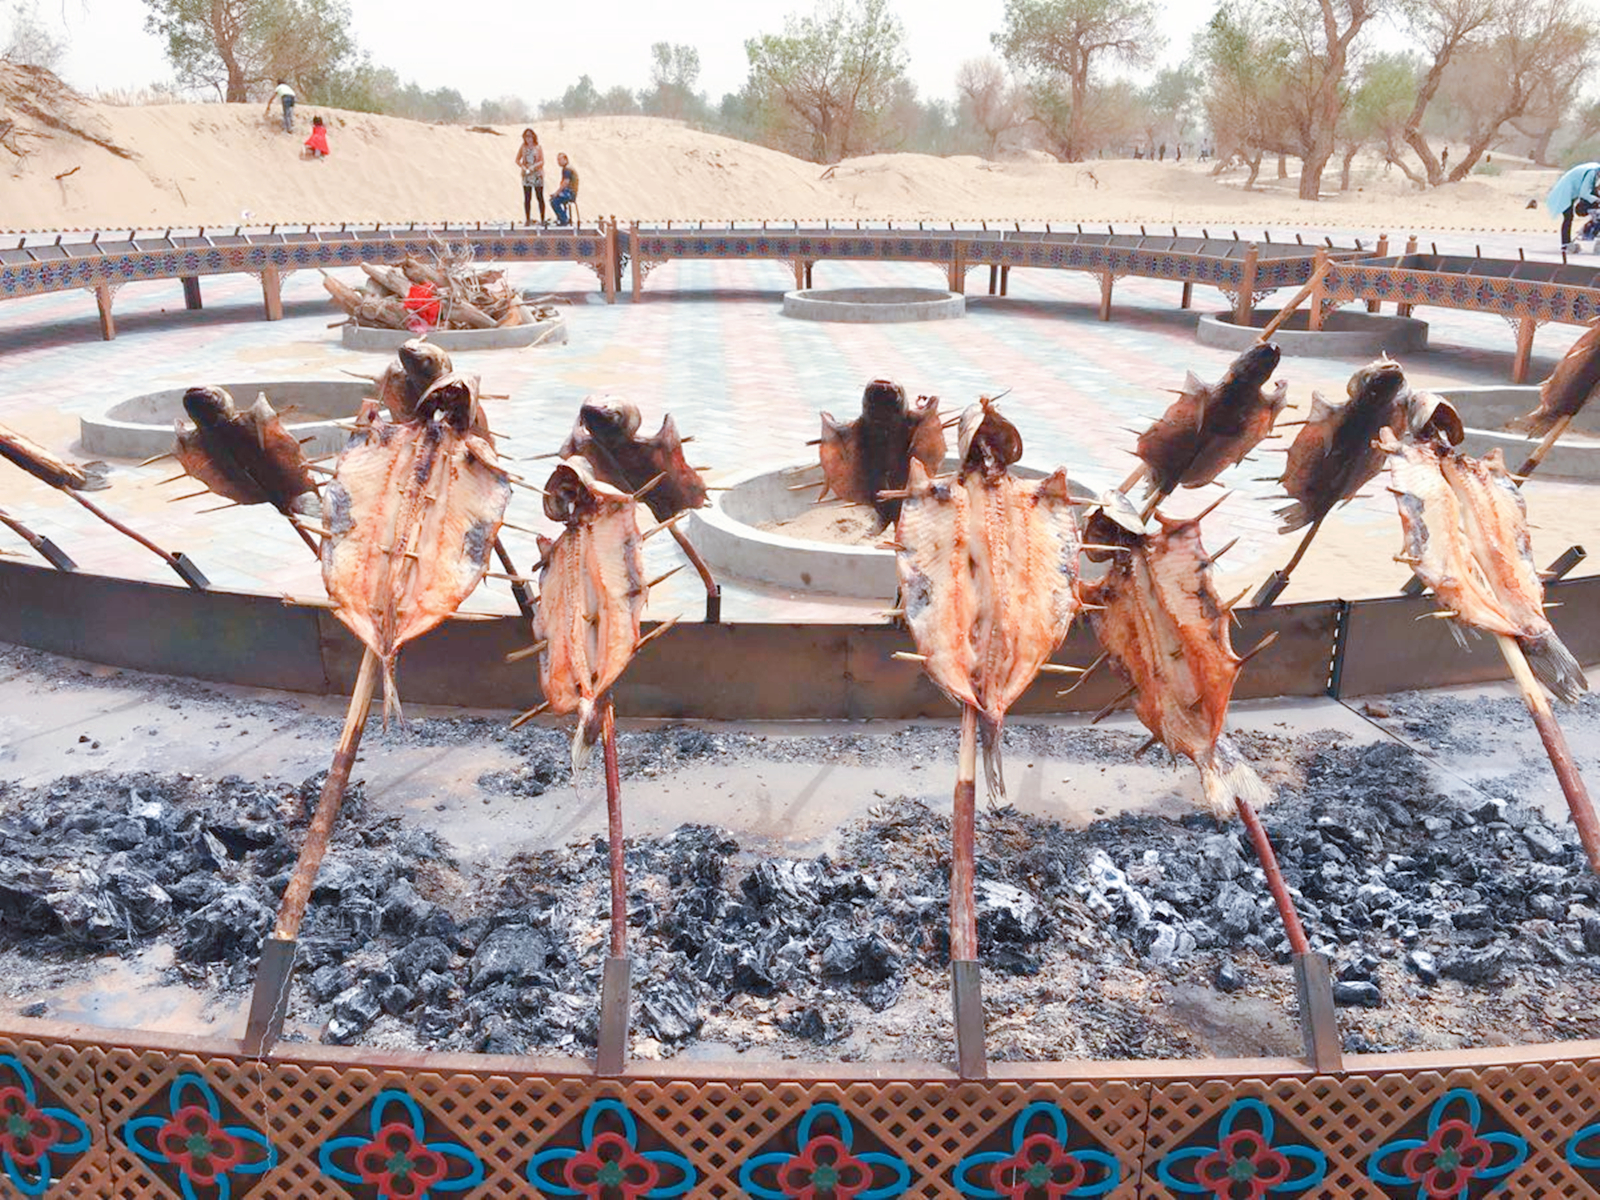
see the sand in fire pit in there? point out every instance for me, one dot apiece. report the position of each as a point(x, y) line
point(848, 525)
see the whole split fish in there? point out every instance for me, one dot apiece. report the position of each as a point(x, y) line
point(592, 595)
point(49, 468)
point(606, 436)
point(988, 568)
point(412, 512)
point(873, 453)
point(247, 457)
point(1466, 536)
point(1209, 427)
point(417, 367)
point(1569, 387)
point(1167, 635)
point(1335, 454)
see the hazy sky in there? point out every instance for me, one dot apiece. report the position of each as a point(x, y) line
point(532, 49)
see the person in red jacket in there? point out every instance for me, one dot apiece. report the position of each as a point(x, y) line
point(317, 143)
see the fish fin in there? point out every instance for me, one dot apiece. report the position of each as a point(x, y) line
point(990, 737)
point(1225, 775)
point(587, 733)
point(1534, 424)
point(1554, 666)
point(1193, 383)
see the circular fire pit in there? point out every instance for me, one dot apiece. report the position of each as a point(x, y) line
point(869, 305)
point(729, 533)
point(1343, 334)
point(142, 427)
point(1486, 410)
point(551, 332)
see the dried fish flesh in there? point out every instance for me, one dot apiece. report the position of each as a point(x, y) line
point(872, 453)
point(1569, 387)
point(1209, 427)
point(606, 435)
point(248, 457)
point(47, 467)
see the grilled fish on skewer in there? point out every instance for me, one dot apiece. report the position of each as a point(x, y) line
point(871, 454)
point(247, 457)
point(591, 596)
point(1569, 387)
point(987, 566)
point(606, 435)
point(47, 467)
point(418, 366)
point(1466, 536)
point(1167, 634)
point(1210, 427)
point(412, 512)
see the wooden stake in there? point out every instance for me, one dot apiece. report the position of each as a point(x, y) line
point(1555, 745)
point(292, 911)
point(169, 559)
point(619, 869)
point(1296, 300)
point(1275, 884)
point(1274, 586)
point(1543, 448)
point(963, 836)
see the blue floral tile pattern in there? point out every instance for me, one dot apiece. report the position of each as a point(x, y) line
point(1583, 1151)
point(1457, 1160)
point(1248, 1162)
point(192, 1139)
point(34, 1140)
point(396, 1159)
point(1040, 1164)
point(826, 1166)
point(610, 1165)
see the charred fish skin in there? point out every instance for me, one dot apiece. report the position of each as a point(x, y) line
point(606, 435)
point(1334, 454)
point(1569, 386)
point(1211, 427)
point(248, 457)
point(872, 454)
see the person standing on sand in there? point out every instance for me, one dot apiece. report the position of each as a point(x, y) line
point(1573, 195)
point(285, 93)
point(530, 158)
point(568, 193)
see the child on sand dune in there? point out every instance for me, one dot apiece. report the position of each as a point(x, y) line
point(317, 143)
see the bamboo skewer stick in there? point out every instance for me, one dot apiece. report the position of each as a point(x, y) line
point(1295, 302)
point(1544, 447)
point(292, 911)
point(167, 558)
point(1555, 745)
point(619, 869)
point(1279, 579)
point(963, 837)
point(1275, 884)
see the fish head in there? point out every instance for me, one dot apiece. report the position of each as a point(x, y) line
point(571, 494)
point(1114, 522)
point(1429, 415)
point(1378, 382)
point(453, 399)
point(882, 398)
point(609, 418)
point(424, 364)
point(1253, 368)
point(988, 442)
point(208, 406)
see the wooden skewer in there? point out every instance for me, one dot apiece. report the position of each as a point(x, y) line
point(1273, 587)
point(1295, 302)
point(1555, 745)
point(127, 532)
point(963, 837)
point(1543, 448)
point(619, 869)
point(1275, 884)
point(315, 848)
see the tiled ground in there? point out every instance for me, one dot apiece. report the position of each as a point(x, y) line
point(709, 344)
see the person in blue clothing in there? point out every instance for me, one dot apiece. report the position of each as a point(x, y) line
point(568, 193)
point(1574, 195)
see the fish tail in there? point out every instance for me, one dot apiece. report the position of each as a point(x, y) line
point(1534, 424)
point(1554, 666)
point(990, 737)
point(1294, 516)
point(1226, 775)
point(587, 733)
point(391, 696)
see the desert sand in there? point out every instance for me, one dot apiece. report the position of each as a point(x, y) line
point(227, 164)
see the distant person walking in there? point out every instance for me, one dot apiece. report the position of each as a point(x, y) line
point(568, 193)
point(285, 93)
point(530, 158)
point(1573, 195)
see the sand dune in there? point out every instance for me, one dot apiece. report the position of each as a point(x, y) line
point(212, 164)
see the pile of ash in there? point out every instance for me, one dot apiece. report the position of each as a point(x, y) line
point(1423, 900)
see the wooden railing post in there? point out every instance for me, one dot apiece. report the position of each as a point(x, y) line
point(1382, 251)
point(1319, 293)
point(102, 300)
point(272, 293)
point(1244, 304)
point(633, 259)
point(1519, 365)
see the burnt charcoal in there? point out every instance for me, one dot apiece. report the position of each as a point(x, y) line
point(1480, 965)
point(881, 996)
point(1236, 912)
point(498, 1036)
point(24, 898)
point(35, 1010)
point(404, 912)
point(327, 982)
point(823, 1024)
point(1473, 916)
point(396, 999)
point(1220, 857)
point(1158, 943)
point(669, 1011)
point(1591, 934)
point(354, 1011)
point(694, 743)
point(1361, 994)
point(434, 1025)
point(1544, 843)
point(785, 880)
point(195, 891)
point(1546, 906)
point(231, 926)
point(1006, 914)
point(414, 959)
point(434, 988)
point(89, 915)
point(511, 954)
point(1362, 968)
point(841, 953)
point(1012, 960)
point(1227, 978)
point(144, 903)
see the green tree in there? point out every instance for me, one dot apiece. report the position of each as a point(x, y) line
point(236, 46)
point(674, 70)
point(1063, 41)
point(1381, 110)
point(828, 80)
point(1241, 65)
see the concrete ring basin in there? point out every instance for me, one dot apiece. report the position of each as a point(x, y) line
point(868, 305)
point(1343, 334)
point(1486, 410)
point(552, 332)
point(141, 427)
point(727, 533)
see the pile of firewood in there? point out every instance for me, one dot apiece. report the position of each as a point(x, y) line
point(421, 296)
